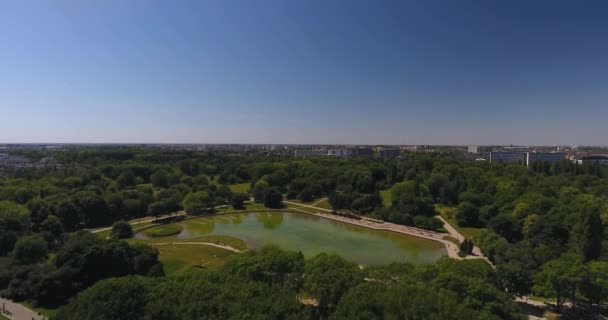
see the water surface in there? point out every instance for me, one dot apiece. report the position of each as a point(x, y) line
point(311, 235)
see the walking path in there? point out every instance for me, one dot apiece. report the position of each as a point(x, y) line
point(450, 247)
point(454, 233)
point(321, 200)
point(16, 311)
point(211, 244)
point(140, 221)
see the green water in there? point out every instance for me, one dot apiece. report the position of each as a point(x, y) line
point(311, 235)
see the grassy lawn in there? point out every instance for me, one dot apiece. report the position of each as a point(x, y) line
point(164, 230)
point(323, 204)
point(449, 214)
point(3, 317)
point(241, 187)
point(386, 197)
point(181, 258)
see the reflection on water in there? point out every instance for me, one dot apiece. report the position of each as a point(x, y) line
point(312, 235)
point(269, 220)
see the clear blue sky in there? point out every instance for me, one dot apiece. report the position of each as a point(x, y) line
point(304, 71)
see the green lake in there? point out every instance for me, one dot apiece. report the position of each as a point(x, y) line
point(311, 235)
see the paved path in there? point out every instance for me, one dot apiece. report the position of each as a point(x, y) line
point(477, 253)
point(16, 311)
point(211, 244)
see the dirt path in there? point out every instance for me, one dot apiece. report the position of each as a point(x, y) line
point(210, 244)
point(321, 200)
point(16, 311)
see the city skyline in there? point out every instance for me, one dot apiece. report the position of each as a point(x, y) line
point(315, 72)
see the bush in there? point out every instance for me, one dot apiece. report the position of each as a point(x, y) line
point(122, 230)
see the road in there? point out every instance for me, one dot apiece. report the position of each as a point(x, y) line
point(16, 311)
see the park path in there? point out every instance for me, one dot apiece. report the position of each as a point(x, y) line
point(16, 311)
point(210, 244)
point(151, 218)
point(317, 202)
point(140, 221)
point(450, 247)
point(477, 253)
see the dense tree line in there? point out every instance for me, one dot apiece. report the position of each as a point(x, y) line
point(270, 283)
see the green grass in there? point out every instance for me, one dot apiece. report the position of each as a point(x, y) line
point(3, 317)
point(387, 198)
point(240, 187)
point(449, 214)
point(164, 230)
point(323, 204)
point(181, 258)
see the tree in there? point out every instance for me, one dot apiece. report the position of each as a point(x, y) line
point(30, 249)
point(559, 278)
point(506, 226)
point(160, 178)
point(119, 298)
point(259, 190)
point(198, 203)
point(595, 282)
point(273, 199)
point(122, 230)
point(238, 200)
point(328, 278)
point(588, 235)
point(466, 247)
point(467, 215)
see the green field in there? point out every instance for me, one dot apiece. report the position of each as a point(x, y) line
point(181, 258)
point(449, 214)
point(324, 203)
point(164, 230)
point(386, 197)
point(178, 258)
point(241, 187)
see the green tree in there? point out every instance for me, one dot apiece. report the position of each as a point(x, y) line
point(238, 200)
point(122, 230)
point(30, 249)
point(328, 278)
point(273, 199)
point(198, 202)
point(559, 278)
point(467, 215)
point(588, 235)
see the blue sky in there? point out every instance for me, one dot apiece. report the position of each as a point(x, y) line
point(369, 72)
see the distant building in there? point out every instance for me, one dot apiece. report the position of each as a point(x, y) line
point(389, 153)
point(362, 152)
point(472, 149)
point(410, 148)
point(532, 157)
point(592, 159)
point(339, 152)
point(310, 153)
point(507, 157)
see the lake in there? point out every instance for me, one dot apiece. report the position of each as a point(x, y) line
point(311, 235)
